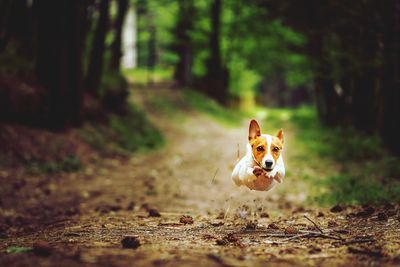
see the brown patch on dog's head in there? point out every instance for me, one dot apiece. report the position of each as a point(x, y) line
point(258, 144)
point(259, 147)
point(276, 146)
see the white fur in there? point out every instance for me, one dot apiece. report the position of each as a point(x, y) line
point(243, 172)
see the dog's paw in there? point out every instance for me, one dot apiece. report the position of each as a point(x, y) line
point(272, 173)
point(278, 178)
point(258, 171)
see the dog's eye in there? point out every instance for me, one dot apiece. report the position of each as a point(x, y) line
point(260, 148)
point(276, 149)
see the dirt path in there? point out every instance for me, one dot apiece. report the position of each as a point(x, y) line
point(147, 196)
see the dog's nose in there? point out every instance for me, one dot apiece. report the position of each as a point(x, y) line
point(268, 163)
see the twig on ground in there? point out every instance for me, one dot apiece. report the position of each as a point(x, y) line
point(312, 235)
point(215, 174)
point(278, 235)
point(315, 224)
point(297, 236)
point(358, 241)
point(340, 231)
point(227, 210)
point(329, 236)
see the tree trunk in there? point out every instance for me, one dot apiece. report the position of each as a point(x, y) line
point(59, 58)
point(326, 98)
point(152, 48)
point(327, 101)
point(183, 46)
point(141, 12)
point(116, 46)
point(363, 105)
point(391, 76)
point(217, 76)
point(95, 70)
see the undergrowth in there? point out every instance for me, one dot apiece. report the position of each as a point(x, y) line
point(70, 163)
point(123, 134)
point(204, 104)
point(347, 166)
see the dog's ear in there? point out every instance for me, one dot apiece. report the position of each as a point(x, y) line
point(280, 135)
point(254, 130)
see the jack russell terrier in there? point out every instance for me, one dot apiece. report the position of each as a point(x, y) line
point(262, 166)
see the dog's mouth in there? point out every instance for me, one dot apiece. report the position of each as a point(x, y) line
point(268, 169)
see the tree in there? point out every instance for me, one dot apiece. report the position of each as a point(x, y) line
point(95, 69)
point(183, 45)
point(390, 129)
point(216, 78)
point(59, 58)
point(116, 45)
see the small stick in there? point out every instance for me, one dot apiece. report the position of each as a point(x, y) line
point(277, 235)
point(309, 232)
point(215, 174)
point(310, 235)
point(329, 236)
point(316, 225)
point(227, 211)
point(238, 154)
point(296, 236)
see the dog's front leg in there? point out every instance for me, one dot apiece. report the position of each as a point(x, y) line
point(246, 174)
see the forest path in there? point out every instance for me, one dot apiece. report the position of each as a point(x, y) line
point(147, 195)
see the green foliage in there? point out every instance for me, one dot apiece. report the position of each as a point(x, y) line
point(135, 131)
point(243, 80)
point(69, 163)
point(210, 107)
point(161, 16)
point(18, 249)
point(254, 45)
point(264, 50)
point(340, 164)
point(141, 76)
point(362, 189)
point(123, 134)
point(339, 143)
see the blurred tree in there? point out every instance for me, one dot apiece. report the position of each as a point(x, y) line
point(183, 44)
point(141, 11)
point(391, 74)
point(216, 78)
point(15, 22)
point(152, 47)
point(59, 58)
point(117, 43)
point(95, 69)
point(354, 50)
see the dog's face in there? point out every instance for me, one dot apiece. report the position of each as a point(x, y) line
point(266, 148)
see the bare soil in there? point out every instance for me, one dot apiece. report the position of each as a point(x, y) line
point(177, 206)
